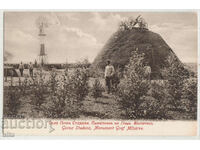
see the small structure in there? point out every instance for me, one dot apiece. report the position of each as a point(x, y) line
point(131, 23)
point(141, 22)
point(10, 71)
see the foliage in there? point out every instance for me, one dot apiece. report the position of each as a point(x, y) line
point(141, 98)
point(97, 89)
point(78, 83)
point(156, 104)
point(53, 82)
point(39, 90)
point(66, 99)
point(189, 96)
point(12, 103)
point(175, 74)
point(115, 81)
point(133, 86)
point(62, 96)
point(130, 23)
point(23, 86)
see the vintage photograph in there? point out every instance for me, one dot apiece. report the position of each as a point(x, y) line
point(100, 65)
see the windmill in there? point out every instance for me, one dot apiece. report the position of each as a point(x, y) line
point(42, 23)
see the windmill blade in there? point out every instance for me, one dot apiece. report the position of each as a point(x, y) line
point(42, 21)
point(138, 17)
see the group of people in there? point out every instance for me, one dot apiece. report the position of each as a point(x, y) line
point(110, 75)
point(30, 67)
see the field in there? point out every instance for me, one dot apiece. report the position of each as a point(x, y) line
point(20, 99)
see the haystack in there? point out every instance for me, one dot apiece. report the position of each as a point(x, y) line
point(119, 48)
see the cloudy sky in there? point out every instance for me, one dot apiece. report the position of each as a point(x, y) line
point(74, 36)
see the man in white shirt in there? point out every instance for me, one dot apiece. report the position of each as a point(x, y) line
point(109, 72)
point(21, 68)
point(147, 72)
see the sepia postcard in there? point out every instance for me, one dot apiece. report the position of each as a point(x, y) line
point(108, 73)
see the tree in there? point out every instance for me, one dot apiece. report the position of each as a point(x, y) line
point(97, 89)
point(133, 86)
point(175, 73)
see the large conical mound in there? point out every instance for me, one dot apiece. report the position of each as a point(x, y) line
point(119, 47)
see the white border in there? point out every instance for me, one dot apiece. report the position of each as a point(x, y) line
point(97, 137)
point(198, 78)
point(1, 71)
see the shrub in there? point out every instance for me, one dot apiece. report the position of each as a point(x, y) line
point(39, 90)
point(175, 74)
point(189, 96)
point(55, 103)
point(66, 99)
point(133, 86)
point(53, 82)
point(141, 98)
point(115, 81)
point(78, 83)
point(12, 103)
point(95, 72)
point(23, 86)
point(13, 96)
point(131, 22)
point(156, 104)
point(97, 89)
point(57, 107)
point(60, 103)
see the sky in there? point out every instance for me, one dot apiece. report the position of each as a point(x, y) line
point(74, 36)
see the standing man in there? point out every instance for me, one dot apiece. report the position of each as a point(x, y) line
point(21, 68)
point(109, 72)
point(147, 71)
point(31, 69)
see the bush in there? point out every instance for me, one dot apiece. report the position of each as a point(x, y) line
point(115, 81)
point(23, 86)
point(175, 74)
point(97, 89)
point(53, 82)
point(141, 98)
point(157, 103)
point(58, 107)
point(39, 91)
point(12, 103)
point(66, 99)
point(78, 83)
point(14, 96)
point(55, 103)
point(133, 86)
point(131, 97)
point(189, 96)
point(131, 22)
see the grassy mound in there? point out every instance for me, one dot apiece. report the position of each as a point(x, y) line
point(119, 47)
